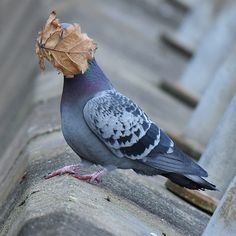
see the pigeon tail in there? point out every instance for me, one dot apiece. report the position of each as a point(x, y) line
point(190, 181)
point(175, 162)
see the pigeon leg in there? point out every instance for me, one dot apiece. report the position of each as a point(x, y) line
point(65, 170)
point(94, 177)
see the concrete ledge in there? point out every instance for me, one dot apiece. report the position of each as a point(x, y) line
point(223, 220)
point(149, 205)
point(182, 4)
point(171, 40)
point(15, 160)
point(196, 198)
point(179, 92)
point(124, 204)
point(57, 224)
point(47, 85)
point(19, 21)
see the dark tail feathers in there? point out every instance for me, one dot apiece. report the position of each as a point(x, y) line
point(190, 181)
point(175, 162)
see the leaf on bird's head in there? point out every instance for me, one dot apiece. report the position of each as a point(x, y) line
point(66, 48)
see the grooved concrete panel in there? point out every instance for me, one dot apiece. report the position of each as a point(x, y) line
point(124, 203)
point(19, 24)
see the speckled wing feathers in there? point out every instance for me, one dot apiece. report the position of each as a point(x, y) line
point(127, 131)
point(121, 125)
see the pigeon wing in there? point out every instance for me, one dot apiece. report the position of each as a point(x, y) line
point(123, 127)
point(127, 131)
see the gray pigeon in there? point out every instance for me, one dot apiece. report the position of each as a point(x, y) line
point(105, 127)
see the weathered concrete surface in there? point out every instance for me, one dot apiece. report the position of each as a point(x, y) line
point(150, 208)
point(212, 52)
point(47, 85)
point(187, 4)
point(124, 204)
point(59, 198)
point(195, 25)
point(18, 64)
point(219, 157)
point(224, 218)
point(211, 107)
point(60, 222)
point(14, 161)
point(175, 90)
point(162, 10)
point(196, 198)
point(213, 103)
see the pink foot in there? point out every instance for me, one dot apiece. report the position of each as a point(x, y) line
point(65, 170)
point(95, 177)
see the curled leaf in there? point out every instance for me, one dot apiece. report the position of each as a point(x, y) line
point(64, 46)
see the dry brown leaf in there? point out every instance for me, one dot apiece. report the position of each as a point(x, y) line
point(66, 48)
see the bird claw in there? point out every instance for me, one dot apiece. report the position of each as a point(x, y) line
point(65, 170)
point(92, 178)
point(96, 177)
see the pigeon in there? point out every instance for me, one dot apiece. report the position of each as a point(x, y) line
point(107, 128)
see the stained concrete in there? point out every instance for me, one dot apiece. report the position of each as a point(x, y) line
point(213, 103)
point(29, 200)
point(124, 203)
point(219, 156)
point(213, 51)
point(223, 220)
point(18, 64)
point(195, 25)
